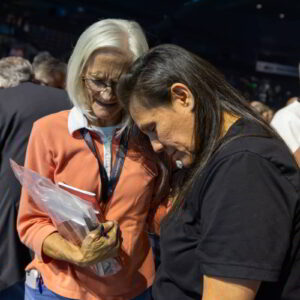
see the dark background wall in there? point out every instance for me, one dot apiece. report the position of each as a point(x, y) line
point(234, 35)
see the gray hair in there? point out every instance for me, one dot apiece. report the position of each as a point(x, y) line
point(39, 57)
point(117, 33)
point(14, 70)
point(49, 70)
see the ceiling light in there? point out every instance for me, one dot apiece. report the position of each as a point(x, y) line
point(259, 6)
point(281, 16)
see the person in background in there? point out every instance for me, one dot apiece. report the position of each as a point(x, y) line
point(40, 57)
point(89, 149)
point(21, 103)
point(233, 231)
point(17, 50)
point(49, 71)
point(287, 123)
point(14, 70)
point(265, 111)
point(291, 100)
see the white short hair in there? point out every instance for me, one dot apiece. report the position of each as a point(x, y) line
point(14, 70)
point(105, 33)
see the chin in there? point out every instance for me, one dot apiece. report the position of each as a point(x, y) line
point(108, 118)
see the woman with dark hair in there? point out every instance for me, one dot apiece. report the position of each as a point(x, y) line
point(233, 232)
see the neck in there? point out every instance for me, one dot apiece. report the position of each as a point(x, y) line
point(228, 121)
point(106, 123)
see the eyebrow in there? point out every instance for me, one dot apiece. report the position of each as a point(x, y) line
point(101, 75)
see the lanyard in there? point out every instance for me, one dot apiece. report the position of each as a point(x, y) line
point(107, 185)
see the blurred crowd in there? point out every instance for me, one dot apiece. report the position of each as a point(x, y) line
point(286, 122)
point(28, 91)
point(44, 69)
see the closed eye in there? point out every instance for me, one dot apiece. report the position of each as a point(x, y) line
point(149, 128)
point(99, 82)
point(152, 128)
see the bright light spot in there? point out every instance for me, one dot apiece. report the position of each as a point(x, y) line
point(281, 16)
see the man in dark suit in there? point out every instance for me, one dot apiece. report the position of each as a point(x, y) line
point(20, 106)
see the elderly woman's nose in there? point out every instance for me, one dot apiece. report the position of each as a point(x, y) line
point(157, 146)
point(108, 93)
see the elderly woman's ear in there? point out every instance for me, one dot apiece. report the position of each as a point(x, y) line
point(182, 96)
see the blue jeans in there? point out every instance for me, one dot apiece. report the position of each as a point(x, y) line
point(45, 294)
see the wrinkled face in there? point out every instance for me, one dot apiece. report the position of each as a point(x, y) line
point(100, 77)
point(169, 128)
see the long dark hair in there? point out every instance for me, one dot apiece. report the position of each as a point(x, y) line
point(150, 78)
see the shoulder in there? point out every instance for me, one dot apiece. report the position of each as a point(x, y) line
point(41, 99)
point(262, 156)
point(49, 98)
point(247, 179)
point(56, 123)
point(147, 159)
point(50, 134)
point(32, 88)
point(262, 144)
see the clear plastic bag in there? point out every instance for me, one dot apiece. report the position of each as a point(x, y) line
point(74, 217)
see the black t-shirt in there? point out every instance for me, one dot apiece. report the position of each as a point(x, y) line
point(240, 220)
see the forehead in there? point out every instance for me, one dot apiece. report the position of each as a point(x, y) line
point(105, 61)
point(138, 111)
point(144, 115)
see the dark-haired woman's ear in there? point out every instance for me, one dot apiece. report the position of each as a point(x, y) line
point(181, 96)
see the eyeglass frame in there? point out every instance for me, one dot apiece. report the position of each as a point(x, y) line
point(105, 84)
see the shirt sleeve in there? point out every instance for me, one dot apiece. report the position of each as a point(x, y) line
point(288, 127)
point(33, 224)
point(163, 206)
point(156, 218)
point(245, 218)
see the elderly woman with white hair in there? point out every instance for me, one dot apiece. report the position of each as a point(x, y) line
point(82, 148)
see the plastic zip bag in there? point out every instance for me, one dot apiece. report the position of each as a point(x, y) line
point(73, 217)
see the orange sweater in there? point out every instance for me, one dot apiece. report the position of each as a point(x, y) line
point(56, 154)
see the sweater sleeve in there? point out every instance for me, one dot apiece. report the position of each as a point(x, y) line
point(159, 214)
point(33, 224)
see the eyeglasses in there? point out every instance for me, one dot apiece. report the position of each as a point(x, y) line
point(99, 85)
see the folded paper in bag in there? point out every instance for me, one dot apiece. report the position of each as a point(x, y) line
point(73, 216)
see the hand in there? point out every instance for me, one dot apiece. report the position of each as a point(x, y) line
point(99, 245)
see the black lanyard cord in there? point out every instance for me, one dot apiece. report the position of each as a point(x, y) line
point(107, 185)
